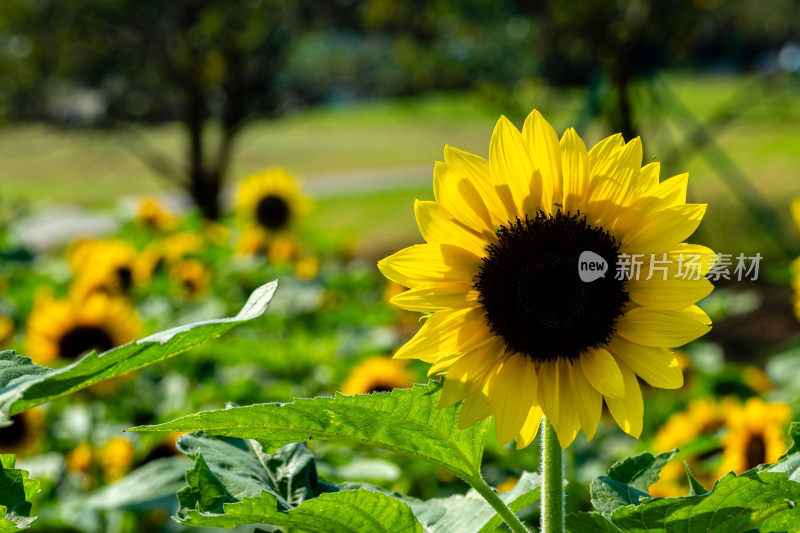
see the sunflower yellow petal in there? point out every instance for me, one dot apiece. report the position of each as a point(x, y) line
point(668, 293)
point(464, 197)
point(475, 169)
point(575, 167)
point(663, 328)
point(568, 423)
point(443, 333)
point(469, 372)
point(664, 229)
point(588, 402)
point(511, 168)
point(549, 391)
point(555, 398)
point(630, 163)
point(601, 154)
point(431, 297)
point(513, 395)
point(438, 226)
point(615, 178)
point(657, 366)
point(670, 193)
point(648, 176)
point(477, 406)
point(430, 263)
point(602, 372)
point(546, 154)
point(443, 362)
point(530, 428)
point(628, 411)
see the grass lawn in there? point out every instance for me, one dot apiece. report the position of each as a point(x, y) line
point(42, 163)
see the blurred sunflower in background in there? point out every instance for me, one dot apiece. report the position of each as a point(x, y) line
point(152, 214)
point(192, 275)
point(7, 330)
point(161, 256)
point(79, 459)
point(720, 436)
point(115, 458)
point(794, 268)
point(756, 435)
point(108, 266)
point(516, 331)
point(217, 234)
point(377, 374)
point(251, 241)
point(307, 267)
point(271, 200)
point(700, 424)
point(23, 436)
point(66, 329)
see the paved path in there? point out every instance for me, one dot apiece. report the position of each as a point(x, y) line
point(56, 227)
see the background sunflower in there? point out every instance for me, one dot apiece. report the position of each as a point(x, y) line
point(108, 266)
point(23, 437)
point(377, 374)
point(66, 329)
point(270, 200)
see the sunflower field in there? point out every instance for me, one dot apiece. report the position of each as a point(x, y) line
point(463, 267)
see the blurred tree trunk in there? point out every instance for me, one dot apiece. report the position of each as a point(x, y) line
point(624, 122)
point(204, 184)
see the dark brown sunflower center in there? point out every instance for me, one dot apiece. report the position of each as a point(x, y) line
point(190, 285)
point(14, 434)
point(381, 387)
point(81, 339)
point(272, 212)
point(756, 452)
point(125, 277)
point(532, 293)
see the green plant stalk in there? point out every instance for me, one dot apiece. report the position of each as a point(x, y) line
point(494, 500)
point(552, 471)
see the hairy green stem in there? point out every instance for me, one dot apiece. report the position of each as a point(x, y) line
point(552, 471)
point(494, 500)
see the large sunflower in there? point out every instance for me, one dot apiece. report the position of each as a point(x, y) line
point(271, 200)
point(514, 328)
point(66, 329)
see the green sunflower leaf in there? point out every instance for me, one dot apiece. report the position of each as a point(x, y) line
point(753, 501)
point(24, 384)
point(695, 487)
point(794, 434)
point(471, 512)
point(233, 482)
point(627, 481)
point(590, 523)
point(405, 421)
point(789, 462)
point(152, 485)
point(16, 491)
